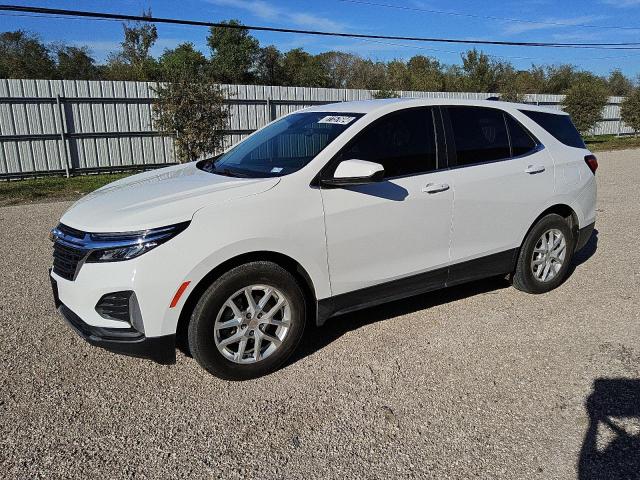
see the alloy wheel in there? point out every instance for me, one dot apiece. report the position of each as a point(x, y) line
point(252, 324)
point(549, 255)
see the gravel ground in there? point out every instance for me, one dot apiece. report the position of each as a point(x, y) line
point(474, 381)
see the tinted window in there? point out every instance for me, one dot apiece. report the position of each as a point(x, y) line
point(480, 134)
point(403, 142)
point(560, 126)
point(521, 140)
point(282, 147)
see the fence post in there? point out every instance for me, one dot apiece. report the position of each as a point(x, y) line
point(62, 127)
point(272, 114)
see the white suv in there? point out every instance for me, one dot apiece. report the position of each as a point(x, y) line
point(321, 212)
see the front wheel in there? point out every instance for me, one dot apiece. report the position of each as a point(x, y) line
point(248, 322)
point(545, 255)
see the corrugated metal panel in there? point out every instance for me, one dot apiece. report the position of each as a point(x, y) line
point(104, 133)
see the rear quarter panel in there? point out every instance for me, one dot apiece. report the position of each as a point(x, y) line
point(574, 183)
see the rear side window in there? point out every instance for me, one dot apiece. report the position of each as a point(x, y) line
point(480, 134)
point(522, 142)
point(402, 142)
point(560, 126)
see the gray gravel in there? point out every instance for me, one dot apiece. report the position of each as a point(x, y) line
point(479, 380)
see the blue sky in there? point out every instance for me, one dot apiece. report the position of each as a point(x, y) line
point(546, 20)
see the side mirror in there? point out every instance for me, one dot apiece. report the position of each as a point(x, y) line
point(355, 172)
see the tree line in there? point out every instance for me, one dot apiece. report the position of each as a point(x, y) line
point(235, 56)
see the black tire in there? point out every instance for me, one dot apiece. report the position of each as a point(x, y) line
point(201, 329)
point(523, 277)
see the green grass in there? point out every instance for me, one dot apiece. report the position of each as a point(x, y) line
point(611, 142)
point(52, 188)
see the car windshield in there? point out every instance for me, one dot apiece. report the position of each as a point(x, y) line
point(282, 147)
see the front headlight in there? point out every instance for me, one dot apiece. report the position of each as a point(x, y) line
point(118, 254)
point(116, 247)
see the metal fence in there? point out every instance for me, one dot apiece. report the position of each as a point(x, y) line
point(67, 126)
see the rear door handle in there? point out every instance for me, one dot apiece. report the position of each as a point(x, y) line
point(435, 187)
point(532, 169)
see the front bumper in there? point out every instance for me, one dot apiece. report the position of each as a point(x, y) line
point(126, 341)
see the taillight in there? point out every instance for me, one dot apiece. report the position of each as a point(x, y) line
point(592, 162)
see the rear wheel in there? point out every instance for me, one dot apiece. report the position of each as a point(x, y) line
point(248, 322)
point(545, 255)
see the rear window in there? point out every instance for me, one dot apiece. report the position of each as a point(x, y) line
point(480, 135)
point(560, 126)
point(522, 143)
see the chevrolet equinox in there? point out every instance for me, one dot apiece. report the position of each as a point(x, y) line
point(321, 212)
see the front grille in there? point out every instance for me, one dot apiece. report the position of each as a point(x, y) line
point(114, 306)
point(70, 231)
point(66, 260)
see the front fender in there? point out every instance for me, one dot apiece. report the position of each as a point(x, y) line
point(269, 222)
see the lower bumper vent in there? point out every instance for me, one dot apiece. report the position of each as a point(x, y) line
point(115, 306)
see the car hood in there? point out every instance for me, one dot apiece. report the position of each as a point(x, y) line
point(158, 198)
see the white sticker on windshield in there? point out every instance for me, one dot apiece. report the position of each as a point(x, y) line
point(276, 169)
point(337, 119)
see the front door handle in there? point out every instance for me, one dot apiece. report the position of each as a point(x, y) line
point(532, 169)
point(435, 187)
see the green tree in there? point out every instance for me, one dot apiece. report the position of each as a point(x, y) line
point(193, 110)
point(338, 68)
point(454, 79)
point(368, 74)
point(530, 81)
point(134, 61)
point(75, 63)
point(619, 84)
point(584, 101)
point(480, 72)
point(510, 89)
point(398, 77)
point(303, 69)
point(511, 92)
point(560, 78)
point(269, 69)
point(233, 53)
point(588, 77)
point(425, 74)
point(630, 110)
point(185, 59)
point(23, 55)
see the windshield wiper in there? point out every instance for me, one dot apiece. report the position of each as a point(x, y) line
point(226, 171)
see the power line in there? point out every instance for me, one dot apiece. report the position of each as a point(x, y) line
point(63, 17)
point(487, 17)
point(507, 57)
point(140, 18)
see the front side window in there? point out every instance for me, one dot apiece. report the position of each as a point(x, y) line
point(282, 147)
point(402, 142)
point(480, 135)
